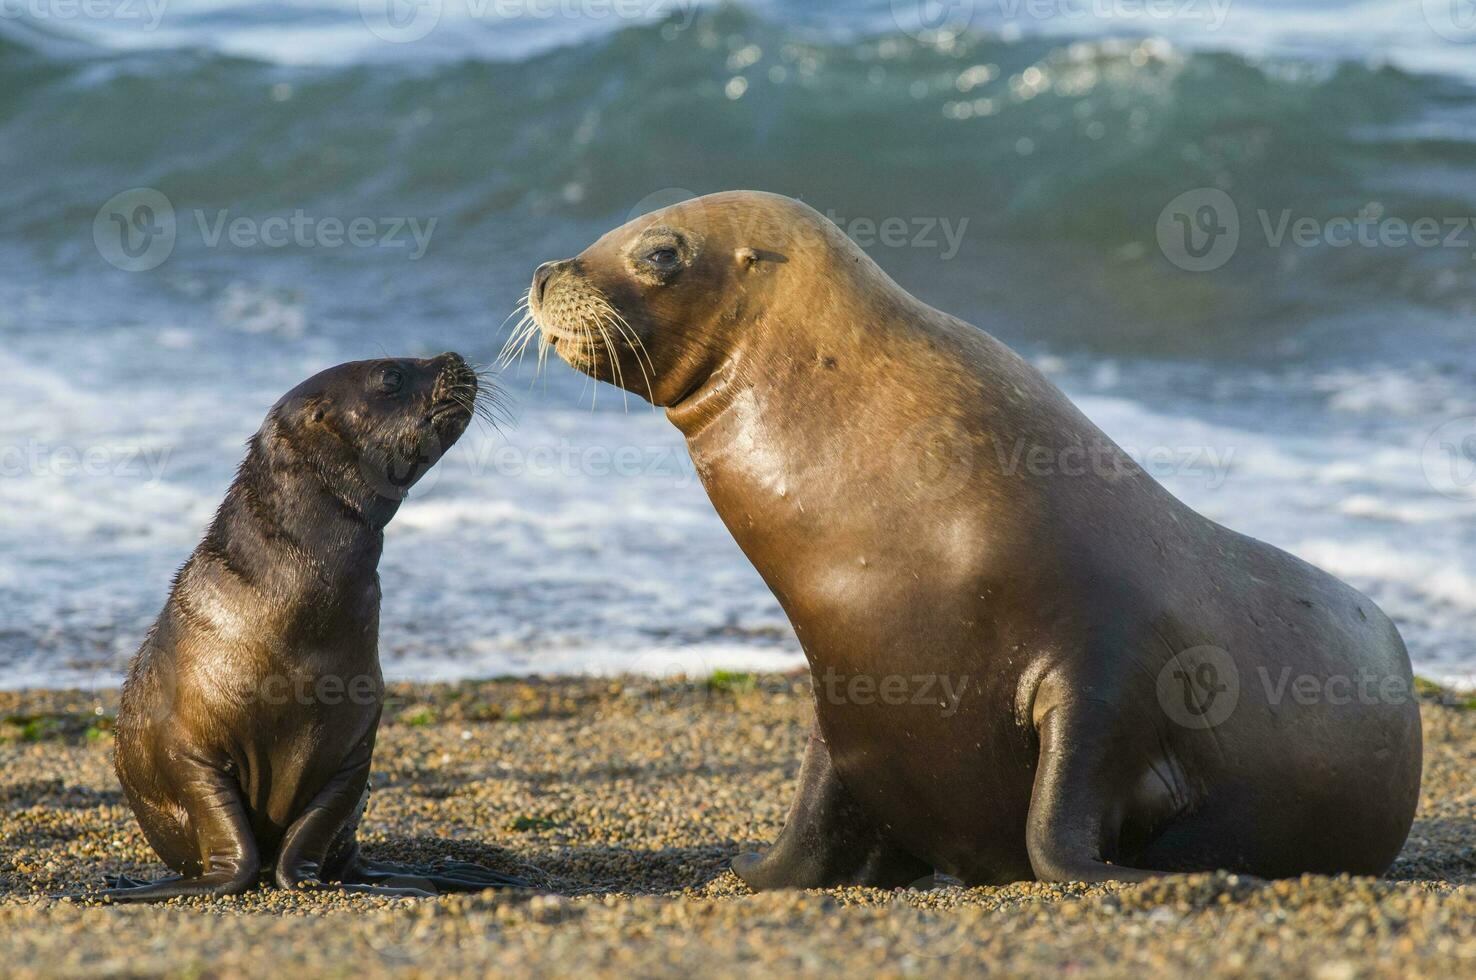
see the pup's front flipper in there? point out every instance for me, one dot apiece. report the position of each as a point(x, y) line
point(312, 836)
point(312, 854)
point(213, 801)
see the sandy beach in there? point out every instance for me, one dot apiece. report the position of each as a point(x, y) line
point(623, 799)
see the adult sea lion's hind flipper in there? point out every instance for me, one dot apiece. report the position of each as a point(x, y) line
point(1074, 816)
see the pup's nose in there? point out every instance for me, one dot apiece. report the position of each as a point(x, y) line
point(541, 276)
point(451, 368)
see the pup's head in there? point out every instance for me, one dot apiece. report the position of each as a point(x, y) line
point(370, 430)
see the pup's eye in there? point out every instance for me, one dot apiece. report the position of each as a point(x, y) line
point(664, 257)
point(390, 380)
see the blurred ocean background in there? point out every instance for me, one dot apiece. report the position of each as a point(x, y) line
point(1315, 393)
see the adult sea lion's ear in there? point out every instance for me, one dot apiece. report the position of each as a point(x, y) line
point(749, 257)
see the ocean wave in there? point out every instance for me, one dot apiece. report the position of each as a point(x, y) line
point(1042, 151)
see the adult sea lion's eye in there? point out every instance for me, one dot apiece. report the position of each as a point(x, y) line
point(665, 256)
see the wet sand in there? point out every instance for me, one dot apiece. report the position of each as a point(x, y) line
point(624, 800)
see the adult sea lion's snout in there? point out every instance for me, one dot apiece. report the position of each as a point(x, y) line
point(541, 277)
point(573, 317)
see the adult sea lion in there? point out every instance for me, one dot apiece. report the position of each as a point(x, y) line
point(1138, 690)
point(249, 716)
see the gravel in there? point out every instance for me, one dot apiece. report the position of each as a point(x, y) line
point(624, 799)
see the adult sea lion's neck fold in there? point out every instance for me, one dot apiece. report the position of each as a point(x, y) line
point(695, 410)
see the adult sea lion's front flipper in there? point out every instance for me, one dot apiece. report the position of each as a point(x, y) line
point(828, 840)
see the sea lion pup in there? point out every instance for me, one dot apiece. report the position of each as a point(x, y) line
point(248, 718)
point(1029, 659)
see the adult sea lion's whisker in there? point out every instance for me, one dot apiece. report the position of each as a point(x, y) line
point(616, 371)
point(517, 341)
point(618, 322)
point(587, 336)
point(521, 312)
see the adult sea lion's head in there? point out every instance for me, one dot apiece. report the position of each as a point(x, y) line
point(370, 430)
point(662, 302)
